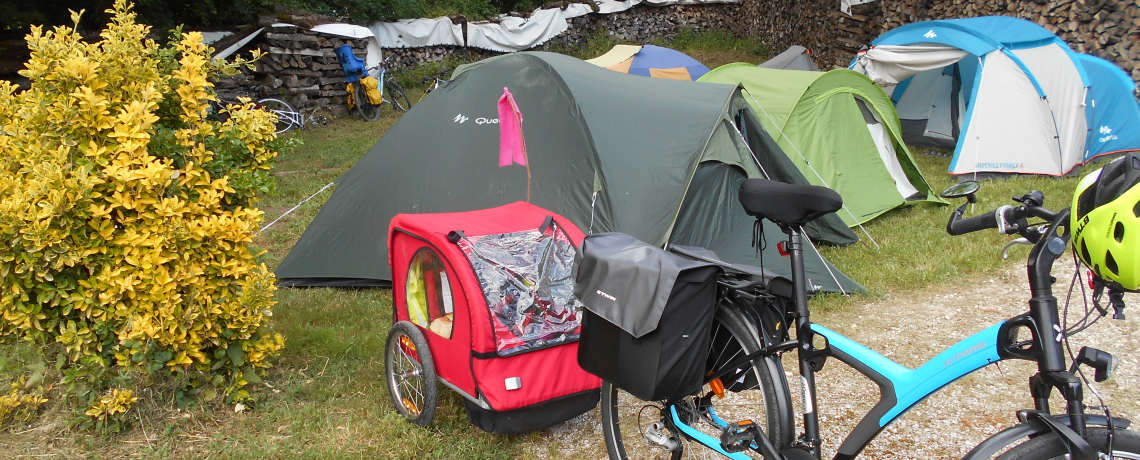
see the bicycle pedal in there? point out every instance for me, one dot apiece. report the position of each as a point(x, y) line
point(739, 436)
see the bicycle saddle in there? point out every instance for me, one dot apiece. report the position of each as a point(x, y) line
point(787, 204)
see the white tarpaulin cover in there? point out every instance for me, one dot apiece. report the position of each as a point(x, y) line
point(845, 5)
point(889, 64)
point(375, 54)
point(415, 33)
point(507, 33)
point(237, 46)
point(344, 30)
point(574, 10)
point(514, 33)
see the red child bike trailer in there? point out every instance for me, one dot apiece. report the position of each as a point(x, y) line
point(484, 304)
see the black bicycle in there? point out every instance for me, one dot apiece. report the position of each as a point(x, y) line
point(744, 408)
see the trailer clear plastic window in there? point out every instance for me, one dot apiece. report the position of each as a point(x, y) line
point(527, 281)
point(429, 299)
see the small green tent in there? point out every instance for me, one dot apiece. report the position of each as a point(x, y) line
point(840, 129)
point(661, 160)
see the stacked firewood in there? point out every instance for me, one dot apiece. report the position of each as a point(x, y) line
point(299, 66)
point(832, 37)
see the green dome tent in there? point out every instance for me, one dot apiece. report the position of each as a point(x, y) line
point(661, 160)
point(840, 129)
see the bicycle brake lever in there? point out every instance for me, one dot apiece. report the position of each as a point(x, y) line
point(1021, 241)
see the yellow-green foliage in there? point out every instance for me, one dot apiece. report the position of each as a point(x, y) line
point(125, 214)
point(19, 405)
point(108, 411)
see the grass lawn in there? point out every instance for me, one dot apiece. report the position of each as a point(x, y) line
point(326, 397)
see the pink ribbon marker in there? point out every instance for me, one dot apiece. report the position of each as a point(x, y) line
point(512, 146)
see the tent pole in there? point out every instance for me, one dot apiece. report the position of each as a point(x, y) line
point(808, 163)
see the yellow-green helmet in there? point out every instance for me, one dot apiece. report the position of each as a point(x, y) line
point(1106, 222)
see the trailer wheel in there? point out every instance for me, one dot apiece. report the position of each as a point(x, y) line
point(410, 373)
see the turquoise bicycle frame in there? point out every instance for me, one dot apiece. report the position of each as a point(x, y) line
point(900, 388)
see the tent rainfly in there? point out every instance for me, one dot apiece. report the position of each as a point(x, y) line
point(660, 160)
point(1006, 94)
point(840, 129)
point(651, 61)
point(795, 57)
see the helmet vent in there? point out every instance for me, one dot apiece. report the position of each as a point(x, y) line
point(1086, 201)
point(1118, 232)
point(1085, 252)
point(1110, 263)
point(1136, 209)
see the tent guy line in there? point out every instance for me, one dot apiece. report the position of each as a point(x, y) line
point(797, 149)
point(306, 200)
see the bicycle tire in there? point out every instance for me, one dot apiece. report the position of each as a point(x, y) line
point(1126, 445)
point(398, 95)
point(364, 107)
point(410, 373)
point(732, 336)
point(286, 116)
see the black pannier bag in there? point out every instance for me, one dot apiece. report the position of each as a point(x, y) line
point(649, 314)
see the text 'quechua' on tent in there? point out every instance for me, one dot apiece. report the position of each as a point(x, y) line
point(660, 160)
point(1008, 95)
point(651, 61)
point(840, 129)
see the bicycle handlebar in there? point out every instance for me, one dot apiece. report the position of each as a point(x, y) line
point(959, 226)
point(437, 76)
point(1006, 219)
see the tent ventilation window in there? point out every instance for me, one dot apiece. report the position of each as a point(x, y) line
point(429, 299)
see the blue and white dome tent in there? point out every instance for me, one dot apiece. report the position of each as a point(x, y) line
point(1008, 95)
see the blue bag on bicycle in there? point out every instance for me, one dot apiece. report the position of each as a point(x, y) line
point(352, 66)
point(649, 314)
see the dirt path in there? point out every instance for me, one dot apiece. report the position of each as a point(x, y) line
point(911, 328)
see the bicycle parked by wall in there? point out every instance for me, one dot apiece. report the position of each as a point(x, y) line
point(436, 80)
point(287, 117)
point(366, 95)
point(743, 407)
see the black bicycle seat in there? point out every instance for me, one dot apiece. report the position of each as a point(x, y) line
point(787, 204)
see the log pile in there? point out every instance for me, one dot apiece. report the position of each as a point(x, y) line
point(299, 66)
point(642, 23)
point(832, 36)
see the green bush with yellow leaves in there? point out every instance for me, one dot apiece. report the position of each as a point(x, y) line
point(127, 215)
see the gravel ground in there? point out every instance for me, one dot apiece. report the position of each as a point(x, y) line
point(911, 328)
